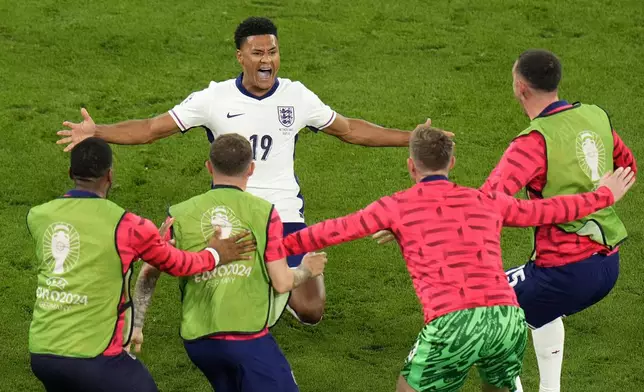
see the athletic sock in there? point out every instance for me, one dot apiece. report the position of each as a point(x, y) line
point(549, 345)
point(519, 387)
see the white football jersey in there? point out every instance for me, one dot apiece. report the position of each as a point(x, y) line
point(271, 124)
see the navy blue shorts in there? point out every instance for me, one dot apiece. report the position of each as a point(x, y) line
point(243, 365)
point(292, 227)
point(547, 293)
point(101, 374)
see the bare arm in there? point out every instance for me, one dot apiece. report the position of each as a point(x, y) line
point(145, 285)
point(127, 132)
point(138, 131)
point(364, 133)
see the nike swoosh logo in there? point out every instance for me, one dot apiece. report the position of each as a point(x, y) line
point(234, 115)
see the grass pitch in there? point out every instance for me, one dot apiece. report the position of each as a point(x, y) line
point(393, 63)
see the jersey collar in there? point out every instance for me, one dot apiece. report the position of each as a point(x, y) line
point(215, 186)
point(555, 107)
point(242, 89)
point(80, 194)
point(436, 177)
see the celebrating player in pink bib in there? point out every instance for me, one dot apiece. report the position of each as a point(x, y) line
point(450, 237)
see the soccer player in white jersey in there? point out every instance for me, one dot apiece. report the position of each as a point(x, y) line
point(269, 111)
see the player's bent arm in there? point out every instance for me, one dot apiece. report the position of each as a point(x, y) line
point(154, 250)
point(364, 133)
point(553, 210)
point(524, 160)
point(138, 131)
point(285, 279)
point(145, 285)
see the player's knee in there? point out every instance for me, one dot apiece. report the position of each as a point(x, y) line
point(308, 310)
point(312, 313)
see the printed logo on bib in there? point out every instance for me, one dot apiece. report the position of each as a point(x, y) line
point(229, 224)
point(223, 217)
point(591, 155)
point(53, 297)
point(61, 247)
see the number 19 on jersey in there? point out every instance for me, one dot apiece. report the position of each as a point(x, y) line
point(264, 143)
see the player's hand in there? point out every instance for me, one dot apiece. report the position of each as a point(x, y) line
point(315, 262)
point(428, 123)
point(384, 236)
point(136, 340)
point(619, 182)
point(78, 132)
point(163, 230)
point(232, 248)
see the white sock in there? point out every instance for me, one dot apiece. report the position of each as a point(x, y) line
point(519, 387)
point(549, 345)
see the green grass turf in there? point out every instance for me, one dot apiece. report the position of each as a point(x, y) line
point(394, 63)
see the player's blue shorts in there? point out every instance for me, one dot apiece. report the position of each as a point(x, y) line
point(101, 374)
point(547, 293)
point(292, 227)
point(243, 365)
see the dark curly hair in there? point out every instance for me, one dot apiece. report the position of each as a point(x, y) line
point(254, 26)
point(91, 159)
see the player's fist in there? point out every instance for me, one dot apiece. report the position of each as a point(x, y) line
point(384, 236)
point(619, 182)
point(136, 340)
point(78, 132)
point(315, 262)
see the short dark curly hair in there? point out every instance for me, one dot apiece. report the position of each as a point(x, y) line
point(254, 25)
point(91, 159)
point(541, 68)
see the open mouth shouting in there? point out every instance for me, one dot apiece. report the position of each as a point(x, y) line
point(265, 73)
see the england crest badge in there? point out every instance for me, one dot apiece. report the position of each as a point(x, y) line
point(286, 115)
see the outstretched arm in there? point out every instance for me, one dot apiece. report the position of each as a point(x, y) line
point(562, 209)
point(192, 112)
point(127, 132)
point(376, 216)
point(364, 133)
point(138, 131)
point(553, 210)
